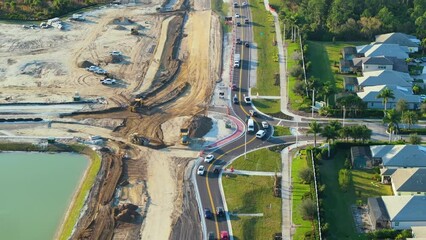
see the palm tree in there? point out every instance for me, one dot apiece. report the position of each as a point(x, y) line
point(314, 128)
point(330, 133)
point(386, 93)
point(392, 118)
point(410, 118)
point(345, 132)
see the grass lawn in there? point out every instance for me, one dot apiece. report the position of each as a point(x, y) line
point(267, 106)
point(252, 194)
point(296, 102)
point(337, 203)
point(260, 160)
point(325, 57)
point(267, 53)
point(281, 131)
point(299, 189)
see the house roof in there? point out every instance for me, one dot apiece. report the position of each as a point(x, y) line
point(381, 60)
point(378, 209)
point(401, 39)
point(387, 171)
point(346, 63)
point(350, 80)
point(405, 208)
point(349, 50)
point(369, 94)
point(400, 155)
point(382, 49)
point(409, 180)
point(360, 155)
point(418, 232)
point(397, 64)
point(385, 77)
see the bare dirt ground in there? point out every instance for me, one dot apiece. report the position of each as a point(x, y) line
point(175, 63)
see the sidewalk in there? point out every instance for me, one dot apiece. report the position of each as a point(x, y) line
point(236, 134)
point(252, 173)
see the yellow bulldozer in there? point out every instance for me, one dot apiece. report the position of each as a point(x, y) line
point(136, 105)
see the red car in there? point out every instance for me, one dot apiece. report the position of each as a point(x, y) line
point(224, 235)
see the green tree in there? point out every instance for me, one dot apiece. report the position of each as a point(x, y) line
point(392, 118)
point(410, 118)
point(306, 175)
point(423, 108)
point(401, 106)
point(314, 128)
point(387, 18)
point(369, 26)
point(345, 132)
point(329, 132)
point(415, 139)
point(386, 94)
point(308, 209)
point(416, 89)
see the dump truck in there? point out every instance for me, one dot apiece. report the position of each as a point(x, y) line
point(184, 132)
point(138, 139)
point(136, 105)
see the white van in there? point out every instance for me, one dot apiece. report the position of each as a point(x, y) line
point(250, 125)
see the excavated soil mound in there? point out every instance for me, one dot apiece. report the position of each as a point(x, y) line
point(85, 64)
point(200, 126)
point(113, 59)
point(118, 27)
point(122, 21)
point(126, 213)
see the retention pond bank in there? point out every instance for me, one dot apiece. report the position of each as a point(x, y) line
point(37, 189)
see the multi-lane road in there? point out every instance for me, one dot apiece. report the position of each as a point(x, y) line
point(208, 185)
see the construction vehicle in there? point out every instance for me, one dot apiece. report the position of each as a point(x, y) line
point(137, 104)
point(137, 139)
point(184, 132)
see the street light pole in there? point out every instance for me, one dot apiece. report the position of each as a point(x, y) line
point(313, 101)
point(344, 115)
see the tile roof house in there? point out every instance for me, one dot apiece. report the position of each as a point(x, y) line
point(382, 49)
point(385, 77)
point(366, 64)
point(369, 96)
point(402, 39)
point(397, 212)
point(400, 156)
point(409, 181)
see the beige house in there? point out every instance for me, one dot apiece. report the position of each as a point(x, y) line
point(409, 181)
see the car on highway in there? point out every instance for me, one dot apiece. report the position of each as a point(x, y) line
point(235, 4)
point(238, 24)
point(207, 213)
point(247, 44)
point(265, 125)
point(220, 212)
point(224, 235)
point(209, 158)
point(235, 99)
point(238, 41)
point(247, 100)
point(244, 4)
point(246, 21)
point(253, 113)
point(217, 169)
point(260, 134)
point(201, 170)
point(211, 236)
point(234, 87)
point(237, 15)
point(108, 81)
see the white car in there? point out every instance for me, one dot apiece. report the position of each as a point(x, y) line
point(260, 133)
point(115, 53)
point(109, 81)
point(237, 15)
point(247, 100)
point(92, 68)
point(265, 124)
point(201, 170)
point(244, 4)
point(101, 71)
point(209, 158)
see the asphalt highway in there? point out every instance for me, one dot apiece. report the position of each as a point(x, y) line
point(208, 184)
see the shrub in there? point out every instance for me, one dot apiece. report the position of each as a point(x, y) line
point(415, 139)
point(308, 209)
point(296, 71)
point(306, 175)
point(345, 179)
point(348, 164)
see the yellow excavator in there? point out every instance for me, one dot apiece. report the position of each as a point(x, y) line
point(137, 103)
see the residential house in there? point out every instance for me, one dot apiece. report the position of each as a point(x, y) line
point(386, 174)
point(409, 181)
point(418, 233)
point(346, 66)
point(350, 83)
point(349, 53)
point(402, 39)
point(369, 95)
point(361, 157)
point(397, 212)
point(381, 49)
point(366, 64)
point(385, 77)
point(400, 156)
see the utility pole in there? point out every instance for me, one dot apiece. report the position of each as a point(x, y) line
point(344, 115)
point(313, 101)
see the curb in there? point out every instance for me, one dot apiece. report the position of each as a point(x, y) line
point(229, 136)
point(198, 197)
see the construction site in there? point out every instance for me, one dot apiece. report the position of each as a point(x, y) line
point(141, 76)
